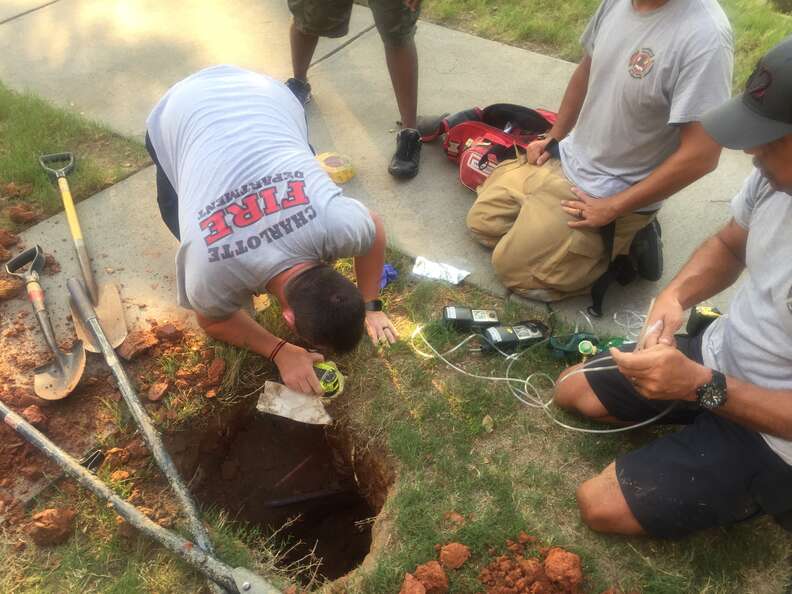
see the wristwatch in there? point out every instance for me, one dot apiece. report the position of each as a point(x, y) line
point(712, 395)
point(374, 305)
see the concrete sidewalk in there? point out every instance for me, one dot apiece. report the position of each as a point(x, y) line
point(112, 59)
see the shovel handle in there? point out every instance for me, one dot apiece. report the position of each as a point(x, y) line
point(81, 300)
point(33, 256)
point(47, 160)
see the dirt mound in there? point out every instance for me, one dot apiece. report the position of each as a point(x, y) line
point(531, 569)
point(454, 555)
point(52, 526)
point(433, 578)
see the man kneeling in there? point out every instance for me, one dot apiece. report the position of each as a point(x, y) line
point(238, 185)
point(732, 384)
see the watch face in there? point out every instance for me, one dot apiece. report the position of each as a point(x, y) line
point(711, 396)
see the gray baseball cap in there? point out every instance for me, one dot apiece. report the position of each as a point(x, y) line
point(763, 112)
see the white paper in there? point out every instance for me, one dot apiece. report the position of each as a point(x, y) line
point(439, 271)
point(277, 399)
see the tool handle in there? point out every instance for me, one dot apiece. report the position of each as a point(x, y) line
point(81, 300)
point(78, 239)
point(47, 160)
point(33, 256)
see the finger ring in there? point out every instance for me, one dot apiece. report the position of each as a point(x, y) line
point(580, 213)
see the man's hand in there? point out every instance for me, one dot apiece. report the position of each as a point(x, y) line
point(662, 373)
point(380, 328)
point(296, 369)
point(668, 311)
point(591, 213)
point(412, 4)
point(535, 151)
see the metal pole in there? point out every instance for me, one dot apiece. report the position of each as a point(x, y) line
point(150, 434)
point(212, 568)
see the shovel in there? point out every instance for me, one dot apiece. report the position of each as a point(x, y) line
point(105, 296)
point(56, 379)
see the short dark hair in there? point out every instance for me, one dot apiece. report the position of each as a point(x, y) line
point(328, 308)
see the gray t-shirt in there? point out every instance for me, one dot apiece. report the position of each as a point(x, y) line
point(253, 200)
point(754, 342)
point(649, 72)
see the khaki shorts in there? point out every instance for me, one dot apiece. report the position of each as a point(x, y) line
point(536, 254)
point(330, 18)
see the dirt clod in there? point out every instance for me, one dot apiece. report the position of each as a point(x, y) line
point(51, 265)
point(8, 239)
point(433, 578)
point(23, 213)
point(35, 416)
point(216, 372)
point(15, 190)
point(456, 520)
point(5, 254)
point(454, 555)
point(115, 457)
point(412, 585)
point(168, 333)
point(10, 286)
point(52, 526)
point(136, 343)
point(119, 475)
point(564, 568)
point(137, 449)
point(157, 391)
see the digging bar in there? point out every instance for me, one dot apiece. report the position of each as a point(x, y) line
point(237, 580)
point(57, 379)
point(82, 303)
point(104, 296)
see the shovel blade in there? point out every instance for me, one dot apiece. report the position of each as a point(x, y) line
point(57, 379)
point(110, 313)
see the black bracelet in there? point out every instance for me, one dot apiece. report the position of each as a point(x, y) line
point(277, 349)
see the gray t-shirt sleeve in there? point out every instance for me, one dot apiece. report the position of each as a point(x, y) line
point(743, 204)
point(349, 229)
point(589, 36)
point(704, 82)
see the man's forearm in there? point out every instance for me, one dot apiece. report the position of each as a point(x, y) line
point(368, 267)
point(572, 103)
point(242, 331)
point(760, 409)
point(715, 265)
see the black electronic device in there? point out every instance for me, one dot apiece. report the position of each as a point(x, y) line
point(465, 318)
point(513, 338)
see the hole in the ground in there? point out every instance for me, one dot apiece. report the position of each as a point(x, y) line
point(269, 470)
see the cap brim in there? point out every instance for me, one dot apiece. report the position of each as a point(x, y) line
point(735, 126)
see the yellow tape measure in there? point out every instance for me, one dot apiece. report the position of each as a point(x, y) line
point(338, 167)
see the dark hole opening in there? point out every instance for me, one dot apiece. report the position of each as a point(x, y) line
point(274, 469)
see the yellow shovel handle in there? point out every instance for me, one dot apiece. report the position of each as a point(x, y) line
point(71, 212)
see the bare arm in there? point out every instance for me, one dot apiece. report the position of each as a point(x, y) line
point(696, 156)
point(368, 270)
point(715, 265)
point(664, 373)
point(295, 364)
point(572, 103)
point(568, 112)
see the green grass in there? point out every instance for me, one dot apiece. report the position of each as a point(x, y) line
point(554, 28)
point(521, 476)
point(31, 127)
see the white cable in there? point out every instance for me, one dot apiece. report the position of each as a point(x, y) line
point(534, 399)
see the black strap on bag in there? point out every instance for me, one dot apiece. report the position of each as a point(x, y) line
point(620, 269)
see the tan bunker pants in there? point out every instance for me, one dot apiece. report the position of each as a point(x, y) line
point(536, 254)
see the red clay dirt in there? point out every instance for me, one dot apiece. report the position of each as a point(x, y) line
point(433, 577)
point(531, 569)
point(8, 239)
point(454, 555)
point(52, 526)
point(23, 213)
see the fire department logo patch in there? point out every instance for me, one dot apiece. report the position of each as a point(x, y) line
point(641, 63)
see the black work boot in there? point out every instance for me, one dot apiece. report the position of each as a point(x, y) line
point(646, 251)
point(407, 158)
point(301, 90)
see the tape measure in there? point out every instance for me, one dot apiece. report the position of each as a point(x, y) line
point(338, 167)
point(331, 380)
